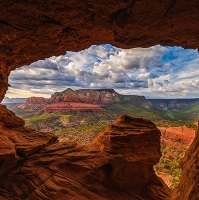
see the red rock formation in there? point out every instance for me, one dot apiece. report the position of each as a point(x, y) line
point(8, 118)
point(117, 165)
point(79, 100)
point(91, 96)
point(25, 106)
point(71, 106)
point(33, 103)
point(37, 100)
point(33, 30)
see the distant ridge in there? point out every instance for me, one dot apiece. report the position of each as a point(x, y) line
point(173, 104)
point(108, 100)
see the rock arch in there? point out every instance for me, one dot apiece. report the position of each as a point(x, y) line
point(32, 30)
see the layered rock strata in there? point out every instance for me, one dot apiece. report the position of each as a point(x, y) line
point(92, 96)
point(33, 103)
point(117, 165)
point(71, 107)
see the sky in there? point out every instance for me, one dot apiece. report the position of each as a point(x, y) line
point(155, 72)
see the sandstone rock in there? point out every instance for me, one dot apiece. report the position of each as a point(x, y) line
point(80, 100)
point(37, 100)
point(91, 96)
point(112, 167)
point(9, 119)
point(25, 106)
point(71, 106)
point(33, 103)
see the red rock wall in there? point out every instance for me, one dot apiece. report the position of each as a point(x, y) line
point(117, 165)
point(91, 96)
point(71, 106)
point(37, 100)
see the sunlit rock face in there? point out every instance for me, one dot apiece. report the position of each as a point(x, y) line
point(117, 165)
point(93, 96)
point(33, 30)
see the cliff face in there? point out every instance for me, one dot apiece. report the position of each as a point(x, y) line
point(37, 100)
point(117, 165)
point(92, 96)
point(33, 103)
point(71, 106)
point(80, 100)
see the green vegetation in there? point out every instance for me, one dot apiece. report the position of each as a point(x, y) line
point(26, 114)
point(191, 125)
point(143, 110)
point(82, 134)
point(62, 123)
point(169, 164)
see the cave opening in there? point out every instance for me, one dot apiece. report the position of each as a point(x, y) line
point(140, 82)
point(35, 30)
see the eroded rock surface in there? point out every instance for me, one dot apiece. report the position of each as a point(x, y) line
point(33, 30)
point(117, 165)
point(71, 106)
point(37, 100)
point(33, 103)
point(91, 96)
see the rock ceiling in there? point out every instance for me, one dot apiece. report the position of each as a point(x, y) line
point(32, 30)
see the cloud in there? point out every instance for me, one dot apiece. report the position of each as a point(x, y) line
point(155, 72)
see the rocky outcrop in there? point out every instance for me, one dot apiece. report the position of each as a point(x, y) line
point(37, 100)
point(72, 107)
point(9, 119)
point(80, 100)
point(117, 165)
point(62, 102)
point(91, 96)
point(33, 103)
